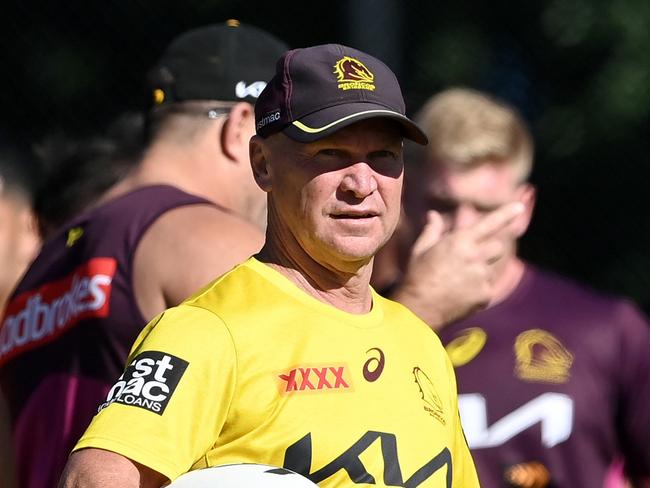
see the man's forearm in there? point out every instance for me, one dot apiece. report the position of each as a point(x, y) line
point(97, 468)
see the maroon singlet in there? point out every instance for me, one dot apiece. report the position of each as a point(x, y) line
point(69, 327)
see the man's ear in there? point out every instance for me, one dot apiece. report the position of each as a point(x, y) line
point(259, 163)
point(236, 132)
point(29, 241)
point(527, 194)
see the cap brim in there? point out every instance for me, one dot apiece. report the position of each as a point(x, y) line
point(324, 122)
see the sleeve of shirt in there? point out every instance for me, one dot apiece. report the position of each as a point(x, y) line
point(169, 406)
point(464, 471)
point(634, 391)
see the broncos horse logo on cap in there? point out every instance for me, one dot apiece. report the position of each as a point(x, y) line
point(352, 74)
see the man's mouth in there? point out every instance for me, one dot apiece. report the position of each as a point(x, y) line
point(354, 215)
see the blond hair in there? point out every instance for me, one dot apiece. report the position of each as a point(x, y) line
point(467, 128)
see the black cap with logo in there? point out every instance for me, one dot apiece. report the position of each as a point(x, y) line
point(321, 89)
point(226, 62)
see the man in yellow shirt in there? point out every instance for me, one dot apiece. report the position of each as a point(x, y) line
point(292, 359)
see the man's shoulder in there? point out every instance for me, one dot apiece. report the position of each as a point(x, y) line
point(395, 309)
point(111, 229)
point(561, 303)
point(210, 217)
point(245, 301)
point(127, 216)
point(548, 284)
point(234, 289)
point(144, 199)
point(406, 320)
point(204, 234)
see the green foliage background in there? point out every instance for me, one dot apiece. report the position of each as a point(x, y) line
point(578, 70)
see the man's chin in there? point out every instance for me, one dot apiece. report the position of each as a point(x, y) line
point(355, 248)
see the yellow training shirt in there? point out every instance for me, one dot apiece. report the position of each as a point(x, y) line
point(253, 369)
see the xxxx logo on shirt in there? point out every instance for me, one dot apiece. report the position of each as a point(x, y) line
point(315, 378)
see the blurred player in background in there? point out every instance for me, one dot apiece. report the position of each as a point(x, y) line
point(553, 377)
point(78, 172)
point(19, 240)
point(189, 211)
point(19, 243)
point(7, 462)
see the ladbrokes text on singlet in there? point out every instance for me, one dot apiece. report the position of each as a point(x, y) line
point(39, 316)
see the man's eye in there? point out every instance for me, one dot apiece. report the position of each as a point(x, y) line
point(385, 154)
point(486, 208)
point(329, 152)
point(442, 206)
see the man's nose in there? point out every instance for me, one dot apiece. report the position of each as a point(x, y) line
point(359, 179)
point(465, 216)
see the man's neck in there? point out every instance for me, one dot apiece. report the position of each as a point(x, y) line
point(508, 279)
point(347, 290)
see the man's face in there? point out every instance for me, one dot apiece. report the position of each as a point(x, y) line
point(339, 197)
point(18, 241)
point(463, 197)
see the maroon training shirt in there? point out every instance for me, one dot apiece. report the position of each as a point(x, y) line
point(556, 374)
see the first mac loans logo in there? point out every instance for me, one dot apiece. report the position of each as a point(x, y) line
point(148, 382)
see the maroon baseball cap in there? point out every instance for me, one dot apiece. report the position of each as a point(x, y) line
point(321, 89)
